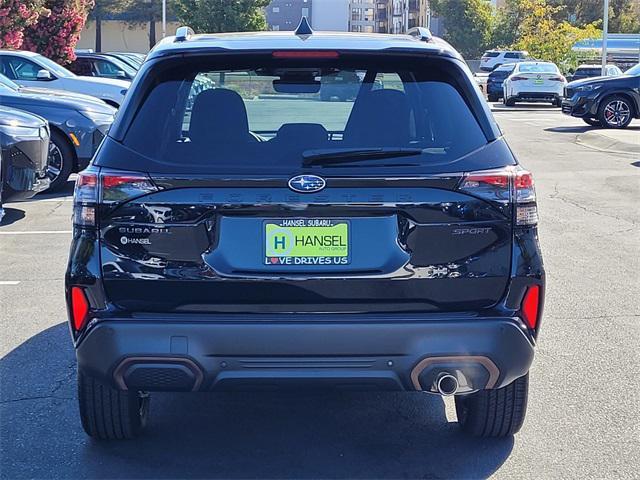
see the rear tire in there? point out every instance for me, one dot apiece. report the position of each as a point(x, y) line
point(509, 102)
point(494, 413)
point(110, 414)
point(492, 98)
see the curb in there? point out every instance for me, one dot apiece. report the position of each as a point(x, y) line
point(605, 143)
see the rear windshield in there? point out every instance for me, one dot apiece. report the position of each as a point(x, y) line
point(591, 72)
point(277, 114)
point(491, 54)
point(537, 68)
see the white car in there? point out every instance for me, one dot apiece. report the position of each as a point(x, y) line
point(492, 59)
point(534, 82)
point(30, 69)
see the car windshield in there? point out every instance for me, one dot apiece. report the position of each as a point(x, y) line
point(537, 68)
point(271, 115)
point(58, 70)
point(633, 70)
point(7, 84)
point(121, 65)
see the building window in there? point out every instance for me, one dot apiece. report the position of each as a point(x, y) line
point(275, 27)
point(276, 9)
point(305, 12)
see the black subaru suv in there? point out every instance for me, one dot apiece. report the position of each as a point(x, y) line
point(251, 236)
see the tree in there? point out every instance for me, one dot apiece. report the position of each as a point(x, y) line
point(222, 15)
point(15, 16)
point(545, 38)
point(467, 24)
point(145, 12)
point(55, 35)
point(624, 15)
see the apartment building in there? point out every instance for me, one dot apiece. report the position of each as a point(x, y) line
point(398, 16)
point(286, 14)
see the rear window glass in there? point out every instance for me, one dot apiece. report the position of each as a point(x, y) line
point(591, 72)
point(537, 68)
point(491, 54)
point(272, 115)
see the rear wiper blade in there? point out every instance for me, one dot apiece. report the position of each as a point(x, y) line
point(327, 156)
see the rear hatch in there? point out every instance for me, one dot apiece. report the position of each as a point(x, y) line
point(537, 78)
point(256, 195)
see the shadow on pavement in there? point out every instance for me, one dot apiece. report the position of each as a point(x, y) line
point(11, 215)
point(65, 191)
point(571, 129)
point(228, 435)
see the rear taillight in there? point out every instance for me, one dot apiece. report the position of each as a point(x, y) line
point(79, 308)
point(85, 199)
point(517, 79)
point(530, 307)
point(503, 186)
point(558, 79)
point(106, 187)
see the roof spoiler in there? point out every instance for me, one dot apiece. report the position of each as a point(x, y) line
point(422, 34)
point(183, 34)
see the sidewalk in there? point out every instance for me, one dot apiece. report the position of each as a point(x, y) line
point(617, 141)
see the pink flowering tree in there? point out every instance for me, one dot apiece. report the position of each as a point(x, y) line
point(55, 35)
point(15, 16)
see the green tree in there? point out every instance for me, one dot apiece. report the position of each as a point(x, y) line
point(222, 15)
point(506, 25)
point(545, 38)
point(624, 15)
point(467, 24)
point(137, 12)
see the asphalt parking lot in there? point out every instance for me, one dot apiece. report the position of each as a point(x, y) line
point(584, 397)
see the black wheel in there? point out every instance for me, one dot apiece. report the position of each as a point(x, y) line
point(59, 161)
point(110, 414)
point(509, 102)
point(558, 102)
point(594, 122)
point(494, 413)
point(615, 112)
point(492, 98)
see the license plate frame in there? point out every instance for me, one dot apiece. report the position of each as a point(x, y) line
point(291, 242)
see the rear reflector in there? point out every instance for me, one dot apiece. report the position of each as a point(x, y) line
point(79, 308)
point(305, 54)
point(530, 306)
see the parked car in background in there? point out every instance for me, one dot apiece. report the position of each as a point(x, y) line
point(30, 69)
point(496, 79)
point(610, 102)
point(103, 66)
point(491, 59)
point(534, 82)
point(24, 143)
point(591, 71)
point(78, 123)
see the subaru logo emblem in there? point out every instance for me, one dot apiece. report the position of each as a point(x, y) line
point(307, 183)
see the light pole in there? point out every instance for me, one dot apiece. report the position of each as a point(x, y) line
point(605, 33)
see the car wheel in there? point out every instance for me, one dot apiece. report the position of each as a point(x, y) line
point(492, 98)
point(594, 122)
point(558, 102)
point(509, 102)
point(494, 413)
point(60, 161)
point(615, 112)
point(110, 414)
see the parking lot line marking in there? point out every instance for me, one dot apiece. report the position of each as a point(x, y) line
point(9, 282)
point(37, 232)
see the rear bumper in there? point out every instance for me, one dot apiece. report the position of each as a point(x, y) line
point(373, 352)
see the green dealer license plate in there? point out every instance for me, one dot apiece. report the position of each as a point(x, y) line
point(306, 241)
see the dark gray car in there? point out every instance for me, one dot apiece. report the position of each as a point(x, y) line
point(78, 124)
point(23, 150)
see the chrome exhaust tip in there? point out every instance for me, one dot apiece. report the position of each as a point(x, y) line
point(447, 385)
